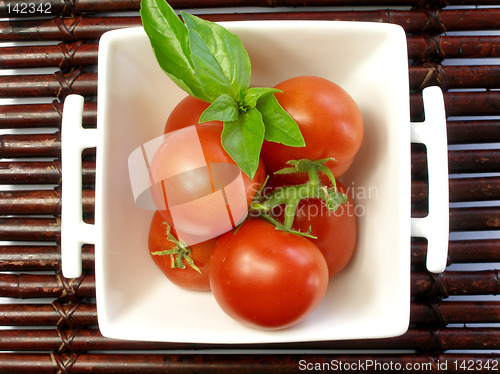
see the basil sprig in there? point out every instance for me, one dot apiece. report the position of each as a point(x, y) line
point(210, 63)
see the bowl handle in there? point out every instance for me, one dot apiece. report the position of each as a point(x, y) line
point(74, 231)
point(432, 133)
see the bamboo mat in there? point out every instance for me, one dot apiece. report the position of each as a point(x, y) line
point(49, 323)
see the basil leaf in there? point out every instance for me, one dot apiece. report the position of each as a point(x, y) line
point(169, 39)
point(224, 109)
point(211, 64)
point(255, 93)
point(280, 126)
point(242, 139)
point(220, 60)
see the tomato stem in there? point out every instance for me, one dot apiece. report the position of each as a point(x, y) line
point(178, 253)
point(291, 196)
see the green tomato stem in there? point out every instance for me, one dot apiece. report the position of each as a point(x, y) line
point(291, 196)
point(178, 253)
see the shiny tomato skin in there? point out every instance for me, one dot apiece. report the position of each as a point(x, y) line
point(187, 113)
point(330, 122)
point(336, 232)
point(190, 184)
point(209, 139)
point(265, 278)
point(201, 254)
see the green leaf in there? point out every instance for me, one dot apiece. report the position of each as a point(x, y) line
point(211, 64)
point(219, 58)
point(242, 139)
point(280, 126)
point(255, 93)
point(169, 39)
point(224, 109)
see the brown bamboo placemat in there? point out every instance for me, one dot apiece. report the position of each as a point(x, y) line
point(51, 322)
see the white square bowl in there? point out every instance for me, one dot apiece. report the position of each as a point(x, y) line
point(371, 297)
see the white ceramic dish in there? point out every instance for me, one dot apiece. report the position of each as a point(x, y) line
point(370, 298)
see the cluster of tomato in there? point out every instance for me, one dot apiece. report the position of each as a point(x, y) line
point(261, 276)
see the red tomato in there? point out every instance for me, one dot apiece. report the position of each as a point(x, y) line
point(336, 231)
point(329, 120)
point(187, 113)
point(266, 278)
point(188, 277)
point(197, 186)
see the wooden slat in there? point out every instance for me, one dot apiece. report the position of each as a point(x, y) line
point(473, 131)
point(79, 54)
point(424, 285)
point(460, 190)
point(48, 229)
point(40, 172)
point(30, 145)
point(459, 162)
point(49, 85)
point(40, 202)
point(80, 314)
point(439, 47)
point(49, 172)
point(49, 115)
point(39, 257)
point(244, 363)
point(42, 115)
point(81, 339)
point(417, 21)
point(48, 202)
point(48, 257)
point(85, 84)
point(61, 7)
